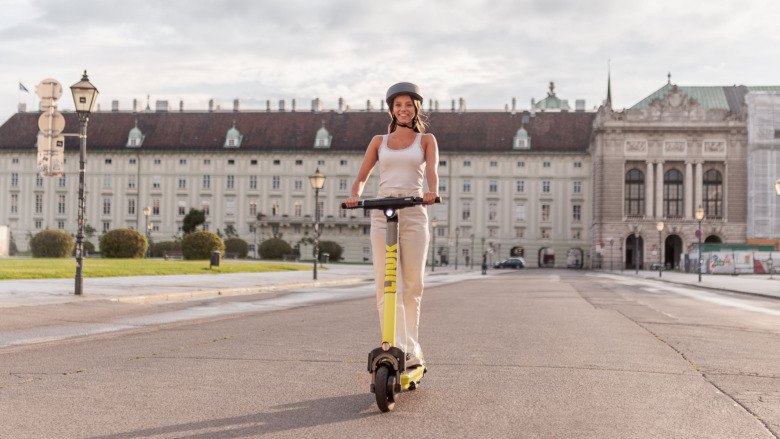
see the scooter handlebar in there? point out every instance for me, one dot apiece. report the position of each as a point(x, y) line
point(384, 203)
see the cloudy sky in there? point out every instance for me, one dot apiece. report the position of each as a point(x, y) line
point(486, 52)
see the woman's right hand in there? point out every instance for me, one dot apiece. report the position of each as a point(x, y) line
point(352, 201)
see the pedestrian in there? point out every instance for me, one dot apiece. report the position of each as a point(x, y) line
point(484, 263)
point(406, 156)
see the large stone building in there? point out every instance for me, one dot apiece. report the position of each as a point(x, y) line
point(763, 120)
point(507, 178)
point(676, 150)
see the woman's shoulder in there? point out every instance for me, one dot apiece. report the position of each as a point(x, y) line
point(427, 139)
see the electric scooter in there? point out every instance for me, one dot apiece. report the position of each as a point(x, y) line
point(387, 363)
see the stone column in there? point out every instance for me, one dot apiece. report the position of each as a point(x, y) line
point(689, 208)
point(697, 200)
point(659, 190)
point(649, 190)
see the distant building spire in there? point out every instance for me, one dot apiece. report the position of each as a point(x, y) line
point(609, 85)
point(669, 78)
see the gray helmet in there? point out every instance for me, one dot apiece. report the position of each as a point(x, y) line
point(403, 88)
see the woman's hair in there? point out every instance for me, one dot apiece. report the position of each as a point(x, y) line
point(419, 121)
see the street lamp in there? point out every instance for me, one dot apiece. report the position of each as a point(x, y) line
point(636, 251)
point(434, 223)
point(611, 240)
point(147, 212)
point(699, 217)
point(660, 228)
point(777, 186)
point(317, 181)
point(457, 232)
point(84, 96)
point(471, 254)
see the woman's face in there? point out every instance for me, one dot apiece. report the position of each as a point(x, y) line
point(403, 109)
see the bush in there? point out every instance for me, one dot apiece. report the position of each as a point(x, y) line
point(274, 248)
point(52, 244)
point(164, 246)
point(332, 248)
point(123, 243)
point(199, 245)
point(237, 245)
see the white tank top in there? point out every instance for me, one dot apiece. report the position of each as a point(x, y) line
point(401, 170)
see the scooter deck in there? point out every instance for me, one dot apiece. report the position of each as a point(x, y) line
point(410, 379)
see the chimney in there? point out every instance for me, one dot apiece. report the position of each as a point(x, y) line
point(211, 105)
point(135, 105)
point(533, 107)
point(281, 105)
point(294, 106)
point(181, 106)
point(453, 105)
point(430, 105)
point(268, 105)
point(368, 104)
point(316, 105)
point(579, 105)
point(341, 105)
point(114, 105)
point(236, 105)
point(436, 105)
point(99, 108)
point(565, 105)
point(514, 106)
point(22, 108)
point(462, 105)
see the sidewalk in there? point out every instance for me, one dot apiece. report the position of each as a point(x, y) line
point(139, 289)
point(755, 284)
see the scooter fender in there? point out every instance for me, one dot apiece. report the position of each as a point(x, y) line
point(395, 356)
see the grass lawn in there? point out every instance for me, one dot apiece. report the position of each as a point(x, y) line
point(48, 268)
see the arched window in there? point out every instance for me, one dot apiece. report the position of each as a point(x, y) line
point(635, 193)
point(713, 194)
point(673, 194)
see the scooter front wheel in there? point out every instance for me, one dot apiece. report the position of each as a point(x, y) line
point(385, 388)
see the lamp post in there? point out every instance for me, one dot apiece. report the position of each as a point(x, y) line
point(434, 223)
point(457, 233)
point(84, 96)
point(777, 187)
point(471, 254)
point(147, 212)
point(317, 181)
point(660, 228)
point(636, 251)
point(611, 241)
point(699, 217)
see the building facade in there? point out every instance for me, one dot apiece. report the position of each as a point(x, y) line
point(763, 120)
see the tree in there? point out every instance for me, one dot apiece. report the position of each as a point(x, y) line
point(230, 232)
point(192, 220)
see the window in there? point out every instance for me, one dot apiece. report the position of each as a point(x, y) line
point(253, 162)
point(276, 182)
point(466, 163)
point(182, 207)
point(106, 206)
point(520, 212)
point(275, 209)
point(156, 182)
point(157, 161)
point(14, 203)
point(577, 187)
point(231, 182)
point(231, 162)
point(466, 211)
point(442, 162)
point(156, 207)
point(521, 164)
point(519, 233)
point(131, 181)
point(298, 162)
point(546, 164)
point(61, 225)
point(61, 203)
point(576, 213)
point(38, 224)
point(182, 161)
point(546, 186)
point(106, 226)
point(343, 163)
point(466, 186)
point(575, 234)
point(493, 164)
point(493, 186)
point(132, 161)
point(230, 207)
point(182, 182)
point(545, 233)
point(492, 212)
point(320, 162)
point(253, 182)
point(577, 164)
point(713, 194)
point(38, 180)
point(253, 208)
point(206, 161)
point(298, 183)
point(520, 186)
point(108, 161)
point(107, 181)
point(320, 209)
point(38, 203)
point(206, 182)
point(277, 162)
point(442, 185)
point(634, 192)
point(545, 213)
point(206, 207)
point(62, 180)
point(15, 160)
point(342, 184)
point(14, 179)
point(673, 193)
point(131, 207)
point(298, 206)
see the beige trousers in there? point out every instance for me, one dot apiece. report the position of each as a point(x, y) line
point(412, 249)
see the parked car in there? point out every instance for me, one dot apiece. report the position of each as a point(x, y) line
point(514, 262)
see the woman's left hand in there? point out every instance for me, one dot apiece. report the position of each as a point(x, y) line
point(430, 197)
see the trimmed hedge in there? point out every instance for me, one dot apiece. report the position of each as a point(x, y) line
point(123, 243)
point(333, 249)
point(199, 244)
point(52, 244)
point(274, 248)
point(237, 245)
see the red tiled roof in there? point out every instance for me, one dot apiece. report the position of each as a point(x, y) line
point(294, 131)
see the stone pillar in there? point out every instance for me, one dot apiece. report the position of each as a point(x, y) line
point(659, 190)
point(649, 190)
point(697, 200)
point(689, 207)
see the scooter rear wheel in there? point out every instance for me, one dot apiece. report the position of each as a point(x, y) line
point(385, 388)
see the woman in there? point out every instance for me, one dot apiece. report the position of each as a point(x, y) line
point(405, 155)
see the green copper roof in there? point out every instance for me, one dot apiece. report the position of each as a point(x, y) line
point(717, 97)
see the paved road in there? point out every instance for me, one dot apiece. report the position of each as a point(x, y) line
point(534, 353)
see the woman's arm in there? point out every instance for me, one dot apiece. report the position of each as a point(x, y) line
point(369, 161)
point(431, 149)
